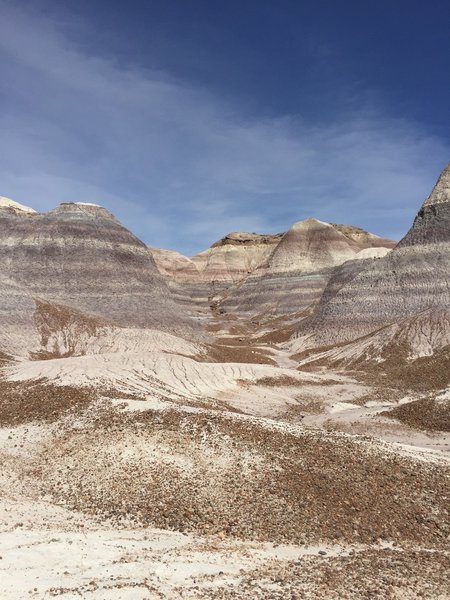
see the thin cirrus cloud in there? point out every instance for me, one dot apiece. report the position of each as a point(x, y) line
point(180, 167)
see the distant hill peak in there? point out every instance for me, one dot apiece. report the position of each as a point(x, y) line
point(308, 224)
point(441, 191)
point(11, 205)
point(237, 238)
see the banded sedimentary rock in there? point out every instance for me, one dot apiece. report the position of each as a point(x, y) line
point(247, 274)
point(200, 282)
point(79, 256)
point(229, 259)
point(173, 265)
point(393, 292)
point(295, 274)
point(235, 256)
point(8, 206)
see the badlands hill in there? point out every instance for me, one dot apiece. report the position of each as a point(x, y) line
point(399, 304)
point(228, 260)
point(269, 419)
point(79, 265)
point(201, 281)
point(294, 275)
point(248, 274)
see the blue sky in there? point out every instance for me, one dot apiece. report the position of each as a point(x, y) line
point(190, 119)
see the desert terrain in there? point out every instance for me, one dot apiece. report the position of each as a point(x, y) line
point(269, 419)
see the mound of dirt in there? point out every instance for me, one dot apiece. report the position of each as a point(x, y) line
point(30, 402)
point(425, 413)
point(209, 473)
point(383, 575)
point(233, 353)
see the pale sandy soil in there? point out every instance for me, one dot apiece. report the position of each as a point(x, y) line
point(365, 420)
point(48, 551)
point(160, 374)
point(321, 398)
point(80, 492)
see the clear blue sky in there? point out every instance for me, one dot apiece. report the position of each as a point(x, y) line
point(189, 119)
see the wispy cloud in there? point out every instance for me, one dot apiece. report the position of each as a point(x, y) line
point(179, 166)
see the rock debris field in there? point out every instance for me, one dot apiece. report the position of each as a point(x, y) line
point(193, 503)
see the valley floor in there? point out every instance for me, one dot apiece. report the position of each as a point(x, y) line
point(50, 552)
point(163, 475)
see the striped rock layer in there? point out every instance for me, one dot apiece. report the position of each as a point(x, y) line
point(77, 256)
point(406, 291)
point(295, 274)
point(199, 282)
point(247, 274)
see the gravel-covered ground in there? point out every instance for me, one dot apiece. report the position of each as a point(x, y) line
point(243, 477)
point(425, 413)
point(271, 509)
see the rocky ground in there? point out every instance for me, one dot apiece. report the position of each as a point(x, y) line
point(107, 495)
